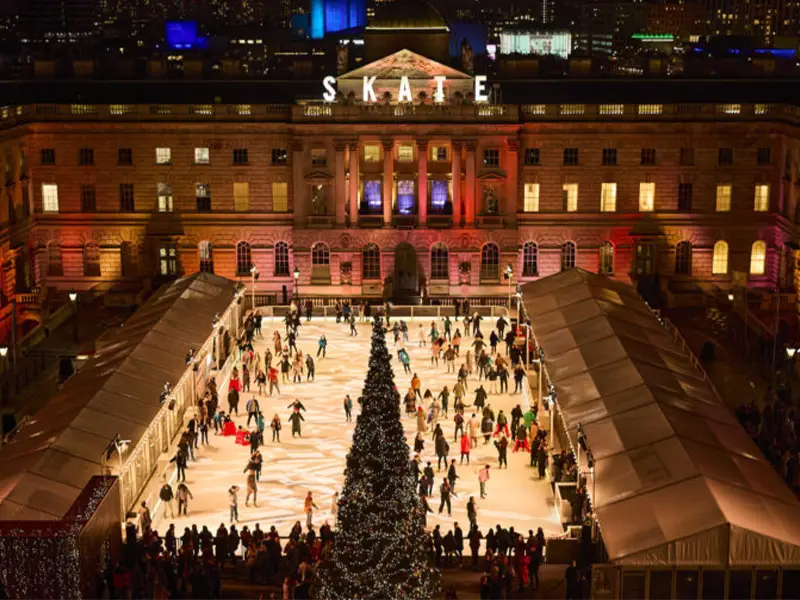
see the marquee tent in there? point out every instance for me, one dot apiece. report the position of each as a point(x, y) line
point(45, 467)
point(678, 480)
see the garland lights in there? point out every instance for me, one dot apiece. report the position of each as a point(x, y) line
point(381, 546)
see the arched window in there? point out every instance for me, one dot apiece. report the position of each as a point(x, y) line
point(55, 265)
point(206, 258)
point(281, 258)
point(530, 259)
point(490, 261)
point(243, 258)
point(320, 263)
point(91, 260)
point(719, 265)
point(758, 258)
point(683, 258)
point(371, 262)
point(320, 255)
point(567, 256)
point(606, 258)
point(440, 265)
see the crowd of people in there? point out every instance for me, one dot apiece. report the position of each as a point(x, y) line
point(773, 428)
point(485, 364)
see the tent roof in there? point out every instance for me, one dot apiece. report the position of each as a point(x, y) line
point(45, 467)
point(672, 464)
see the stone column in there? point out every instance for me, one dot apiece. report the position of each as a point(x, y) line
point(469, 192)
point(422, 182)
point(339, 183)
point(299, 191)
point(456, 178)
point(354, 183)
point(512, 171)
point(388, 180)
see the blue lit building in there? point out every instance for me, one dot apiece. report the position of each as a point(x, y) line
point(330, 16)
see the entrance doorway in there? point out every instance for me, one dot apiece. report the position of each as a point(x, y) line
point(406, 279)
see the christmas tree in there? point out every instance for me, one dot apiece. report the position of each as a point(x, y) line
point(380, 548)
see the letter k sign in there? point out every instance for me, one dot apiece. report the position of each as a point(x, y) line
point(368, 94)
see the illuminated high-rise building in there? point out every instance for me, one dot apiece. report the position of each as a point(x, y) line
point(330, 16)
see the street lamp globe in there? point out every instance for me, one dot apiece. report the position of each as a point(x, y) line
point(73, 296)
point(3, 351)
point(296, 273)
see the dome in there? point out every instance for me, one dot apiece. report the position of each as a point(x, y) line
point(408, 15)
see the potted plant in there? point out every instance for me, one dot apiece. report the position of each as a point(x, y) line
point(464, 270)
point(346, 272)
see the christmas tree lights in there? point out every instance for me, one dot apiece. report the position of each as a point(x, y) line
point(380, 549)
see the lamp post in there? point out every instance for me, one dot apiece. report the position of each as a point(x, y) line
point(509, 275)
point(73, 298)
point(296, 275)
point(254, 276)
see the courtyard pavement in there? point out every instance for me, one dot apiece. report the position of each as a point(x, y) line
point(315, 462)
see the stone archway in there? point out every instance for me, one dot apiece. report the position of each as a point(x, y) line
point(406, 272)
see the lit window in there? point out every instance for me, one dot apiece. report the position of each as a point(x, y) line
point(723, 197)
point(531, 200)
point(761, 203)
point(168, 260)
point(440, 268)
point(241, 196)
point(206, 258)
point(612, 109)
point(719, 264)
point(758, 258)
point(651, 109)
point(608, 197)
point(202, 156)
point(164, 191)
point(372, 153)
point(729, 109)
point(280, 196)
point(244, 109)
point(606, 258)
point(647, 195)
point(405, 196)
point(570, 197)
point(373, 200)
point(440, 195)
point(572, 109)
point(530, 259)
point(319, 157)
point(761, 109)
point(121, 109)
point(163, 156)
point(405, 153)
point(439, 152)
point(50, 197)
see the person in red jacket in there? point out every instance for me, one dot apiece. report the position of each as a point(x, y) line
point(235, 383)
point(466, 446)
point(272, 376)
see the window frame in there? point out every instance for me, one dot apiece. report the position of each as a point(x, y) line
point(240, 157)
point(569, 255)
point(648, 157)
point(281, 260)
point(683, 258)
point(609, 157)
point(244, 254)
point(124, 157)
point(47, 156)
point(405, 153)
point(758, 261)
point(168, 202)
point(279, 156)
point(530, 259)
point(55, 268)
point(440, 262)
point(608, 191)
point(684, 196)
point(490, 262)
point(570, 199)
point(202, 197)
point(88, 198)
point(164, 155)
point(647, 196)
point(372, 153)
point(761, 198)
point(532, 157)
point(371, 262)
point(275, 186)
point(321, 158)
point(725, 157)
point(91, 260)
point(491, 158)
point(167, 257)
point(606, 258)
point(205, 255)
point(241, 196)
point(86, 157)
point(571, 157)
point(723, 197)
point(127, 198)
point(534, 197)
point(718, 262)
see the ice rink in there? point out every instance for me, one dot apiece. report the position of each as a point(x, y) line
point(315, 462)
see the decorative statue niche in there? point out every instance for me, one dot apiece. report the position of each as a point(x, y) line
point(318, 203)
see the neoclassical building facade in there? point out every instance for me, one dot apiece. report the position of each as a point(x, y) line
point(428, 198)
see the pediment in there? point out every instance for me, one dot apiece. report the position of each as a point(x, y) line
point(318, 177)
point(490, 176)
point(404, 62)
